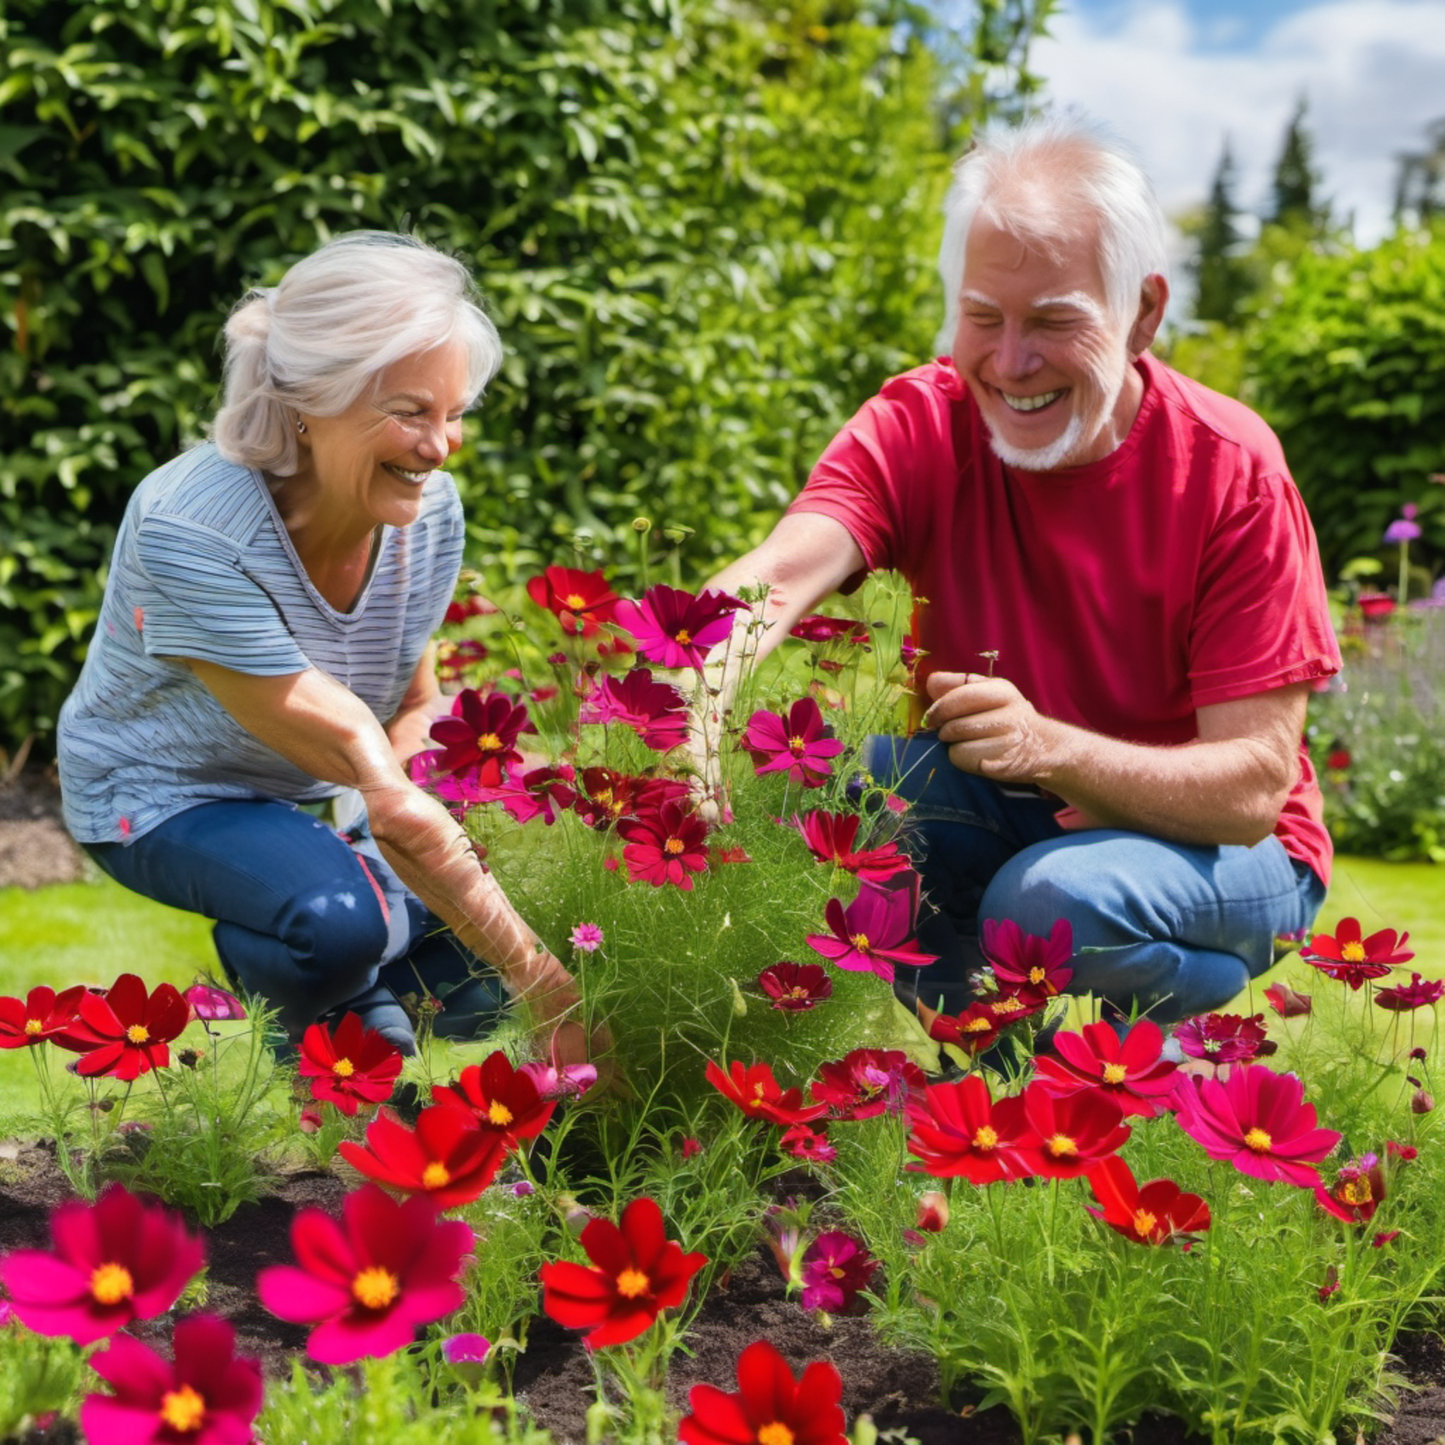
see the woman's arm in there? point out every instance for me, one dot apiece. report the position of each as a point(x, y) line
point(409, 731)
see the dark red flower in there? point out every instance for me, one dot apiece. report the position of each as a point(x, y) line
point(973, 1030)
point(830, 838)
point(866, 1082)
point(770, 1407)
point(1223, 1038)
point(874, 932)
point(817, 628)
point(1070, 1133)
point(499, 1098)
point(958, 1131)
point(1131, 1071)
point(580, 601)
point(112, 1262)
point(1403, 1153)
point(636, 1273)
point(757, 1093)
point(667, 846)
point(1338, 760)
point(835, 1268)
point(803, 1142)
point(447, 1156)
point(1158, 1212)
point(606, 796)
point(1023, 964)
point(352, 1067)
point(369, 1281)
point(1374, 605)
point(40, 1015)
point(1407, 997)
point(126, 1033)
point(1388, 1237)
point(1357, 1191)
point(799, 744)
point(655, 711)
point(675, 628)
point(1351, 958)
point(1286, 1002)
point(795, 986)
point(481, 733)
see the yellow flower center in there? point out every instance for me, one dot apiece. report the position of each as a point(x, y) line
point(574, 600)
point(860, 942)
point(674, 846)
point(499, 1114)
point(1353, 953)
point(343, 1068)
point(976, 1026)
point(631, 1283)
point(138, 1034)
point(1009, 1005)
point(683, 636)
point(111, 1283)
point(1144, 1222)
point(798, 992)
point(183, 1409)
point(835, 1272)
point(489, 742)
point(1115, 1073)
point(1357, 1191)
point(1060, 1145)
point(436, 1175)
point(985, 1138)
point(1037, 975)
point(34, 1026)
point(775, 1433)
point(1258, 1140)
point(798, 745)
point(375, 1287)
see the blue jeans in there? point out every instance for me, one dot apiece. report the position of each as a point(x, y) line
point(306, 917)
point(1170, 928)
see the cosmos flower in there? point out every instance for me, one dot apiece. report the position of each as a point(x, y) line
point(1407, 997)
point(1223, 1038)
point(1158, 1212)
point(958, 1131)
point(803, 1142)
point(586, 938)
point(500, 1098)
point(41, 1014)
point(1351, 958)
point(799, 744)
point(873, 934)
point(447, 1156)
point(757, 1093)
point(481, 733)
point(213, 1004)
point(1286, 1002)
point(606, 796)
point(351, 1067)
point(795, 986)
point(770, 1407)
point(1071, 1132)
point(868, 1082)
point(830, 838)
point(974, 1029)
point(835, 1268)
point(676, 628)
point(666, 846)
point(1131, 1071)
point(1026, 965)
point(1357, 1191)
point(817, 628)
point(655, 711)
point(580, 601)
point(125, 1033)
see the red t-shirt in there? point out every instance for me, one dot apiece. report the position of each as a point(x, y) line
point(1179, 571)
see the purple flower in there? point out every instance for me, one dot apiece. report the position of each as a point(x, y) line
point(465, 1349)
point(586, 938)
point(1404, 528)
point(210, 1003)
point(835, 1268)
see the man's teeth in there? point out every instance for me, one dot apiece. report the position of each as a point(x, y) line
point(1030, 403)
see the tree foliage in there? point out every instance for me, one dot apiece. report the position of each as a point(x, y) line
point(1294, 198)
point(1220, 280)
point(705, 233)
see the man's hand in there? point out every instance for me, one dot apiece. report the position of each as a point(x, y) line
point(990, 727)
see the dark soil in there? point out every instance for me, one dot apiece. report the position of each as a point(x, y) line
point(898, 1388)
point(35, 849)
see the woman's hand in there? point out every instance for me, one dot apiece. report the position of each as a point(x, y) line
point(554, 1007)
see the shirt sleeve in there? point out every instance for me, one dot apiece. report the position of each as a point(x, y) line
point(195, 599)
point(1262, 619)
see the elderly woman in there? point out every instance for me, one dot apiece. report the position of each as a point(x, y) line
point(264, 645)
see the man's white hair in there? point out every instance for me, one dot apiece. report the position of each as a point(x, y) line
point(1052, 182)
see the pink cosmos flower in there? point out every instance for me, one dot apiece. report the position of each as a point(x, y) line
point(866, 1082)
point(544, 792)
point(874, 932)
point(795, 986)
point(830, 838)
point(1407, 997)
point(560, 1081)
point(835, 1268)
point(1131, 1071)
point(1287, 1003)
point(207, 1395)
point(370, 1280)
point(803, 1142)
point(799, 744)
point(467, 1349)
point(655, 711)
point(1025, 964)
point(1223, 1038)
point(1258, 1121)
point(586, 938)
point(113, 1261)
point(676, 628)
point(1351, 958)
point(580, 601)
point(665, 847)
point(213, 1004)
point(481, 733)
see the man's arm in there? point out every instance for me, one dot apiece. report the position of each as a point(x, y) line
point(1227, 786)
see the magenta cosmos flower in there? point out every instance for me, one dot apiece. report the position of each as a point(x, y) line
point(481, 733)
point(212, 1004)
point(676, 628)
point(799, 744)
point(1258, 1121)
point(112, 1262)
point(830, 838)
point(795, 987)
point(1406, 997)
point(874, 932)
point(369, 1281)
point(1350, 958)
point(866, 1082)
point(655, 711)
point(666, 846)
point(835, 1268)
point(586, 938)
point(207, 1395)
point(1131, 1071)
point(1357, 1191)
point(1024, 964)
point(1223, 1038)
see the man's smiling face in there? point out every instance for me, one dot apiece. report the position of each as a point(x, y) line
point(1050, 368)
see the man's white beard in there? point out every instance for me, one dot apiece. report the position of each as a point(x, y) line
point(1039, 459)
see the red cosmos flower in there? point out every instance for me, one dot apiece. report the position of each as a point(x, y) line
point(113, 1261)
point(872, 934)
point(1351, 959)
point(206, 1396)
point(799, 744)
point(1338, 760)
point(835, 1268)
point(675, 628)
point(1357, 1191)
point(756, 1092)
point(1158, 1212)
point(41, 1014)
point(1286, 1002)
point(580, 601)
point(770, 1406)
point(1402, 1153)
point(830, 838)
point(1024, 964)
point(636, 1273)
point(1070, 1133)
point(1258, 1121)
point(472, 605)
point(370, 1280)
point(1131, 1071)
point(959, 1131)
point(795, 986)
point(1375, 604)
point(447, 1156)
point(803, 1142)
point(865, 1082)
point(125, 1033)
point(499, 1098)
point(455, 657)
point(1223, 1038)
point(665, 847)
point(655, 711)
point(1409, 996)
point(481, 733)
point(974, 1029)
point(352, 1067)
point(817, 628)
point(605, 796)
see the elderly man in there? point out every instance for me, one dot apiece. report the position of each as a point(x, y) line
point(1130, 548)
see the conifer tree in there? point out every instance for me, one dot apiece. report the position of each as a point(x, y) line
point(1296, 181)
point(1220, 280)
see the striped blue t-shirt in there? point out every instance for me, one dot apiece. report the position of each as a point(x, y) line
point(204, 568)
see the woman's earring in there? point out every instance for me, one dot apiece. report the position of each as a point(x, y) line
point(301, 426)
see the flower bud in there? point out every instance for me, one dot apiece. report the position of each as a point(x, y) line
point(932, 1211)
point(642, 525)
point(1421, 1102)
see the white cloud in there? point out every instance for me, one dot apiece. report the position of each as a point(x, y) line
point(1373, 70)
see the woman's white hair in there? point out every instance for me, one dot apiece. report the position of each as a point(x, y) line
point(1053, 182)
point(321, 338)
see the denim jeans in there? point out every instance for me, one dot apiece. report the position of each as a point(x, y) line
point(1168, 928)
point(308, 918)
